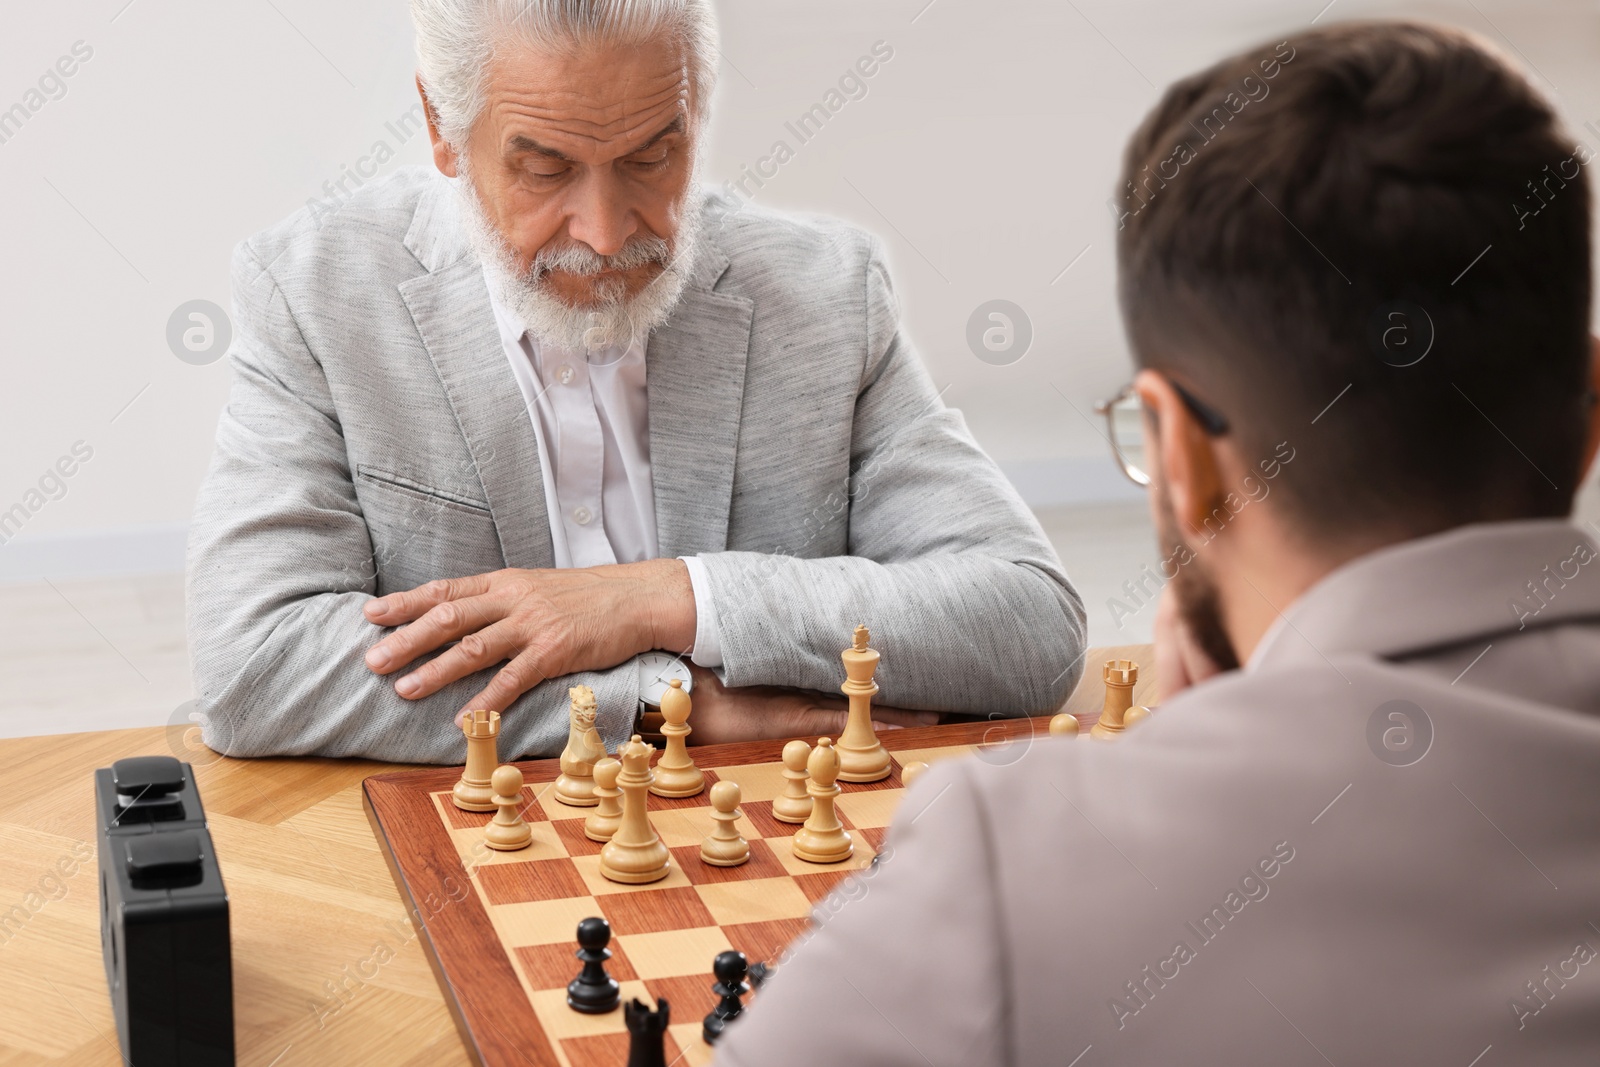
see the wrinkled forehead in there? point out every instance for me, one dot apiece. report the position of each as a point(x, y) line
point(589, 102)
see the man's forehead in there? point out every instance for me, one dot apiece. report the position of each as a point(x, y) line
point(594, 97)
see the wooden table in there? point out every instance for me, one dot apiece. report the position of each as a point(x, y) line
point(312, 902)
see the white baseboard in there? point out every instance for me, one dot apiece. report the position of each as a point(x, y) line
point(94, 554)
point(1043, 483)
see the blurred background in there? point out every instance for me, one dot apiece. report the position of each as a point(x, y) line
point(983, 151)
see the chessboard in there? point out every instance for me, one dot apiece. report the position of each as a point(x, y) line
point(499, 927)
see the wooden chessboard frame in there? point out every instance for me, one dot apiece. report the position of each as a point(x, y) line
point(498, 1023)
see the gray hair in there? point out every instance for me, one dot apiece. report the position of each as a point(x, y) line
point(457, 41)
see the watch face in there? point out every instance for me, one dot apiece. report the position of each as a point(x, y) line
point(656, 671)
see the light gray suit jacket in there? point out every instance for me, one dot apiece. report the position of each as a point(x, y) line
point(375, 439)
point(1379, 843)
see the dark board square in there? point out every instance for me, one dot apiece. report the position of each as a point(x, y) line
point(762, 864)
point(819, 885)
point(767, 940)
point(689, 994)
point(512, 883)
point(874, 836)
point(553, 966)
point(654, 910)
point(578, 843)
point(610, 1050)
point(759, 812)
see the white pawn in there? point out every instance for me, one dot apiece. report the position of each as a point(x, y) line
point(823, 839)
point(725, 847)
point(794, 805)
point(911, 772)
point(508, 830)
point(603, 821)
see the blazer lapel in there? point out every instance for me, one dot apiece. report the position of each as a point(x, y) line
point(695, 369)
point(450, 306)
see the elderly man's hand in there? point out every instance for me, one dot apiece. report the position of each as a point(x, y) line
point(540, 623)
point(764, 712)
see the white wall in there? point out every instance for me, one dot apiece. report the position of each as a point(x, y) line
point(983, 153)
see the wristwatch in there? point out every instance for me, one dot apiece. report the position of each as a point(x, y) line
point(656, 671)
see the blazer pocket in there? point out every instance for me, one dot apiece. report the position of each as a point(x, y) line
point(420, 492)
point(420, 533)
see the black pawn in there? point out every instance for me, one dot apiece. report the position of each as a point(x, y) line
point(593, 992)
point(759, 973)
point(647, 1033)
point(730, 968)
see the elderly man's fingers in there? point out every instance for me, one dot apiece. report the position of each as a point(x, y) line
point(476, 651)
point(396, 608)
point(439, 625)
point(514, 679)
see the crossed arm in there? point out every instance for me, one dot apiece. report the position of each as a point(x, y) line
point(550, 623)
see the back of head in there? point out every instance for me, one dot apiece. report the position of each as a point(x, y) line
point(1306, 219)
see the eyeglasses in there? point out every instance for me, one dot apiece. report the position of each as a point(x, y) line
point(1124, 415)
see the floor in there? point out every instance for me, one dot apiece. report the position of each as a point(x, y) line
point(107, 653)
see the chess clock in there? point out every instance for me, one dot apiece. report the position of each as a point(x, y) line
point(163, 916)
point(656, 671)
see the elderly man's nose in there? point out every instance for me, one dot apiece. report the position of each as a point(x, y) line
point(600, 220)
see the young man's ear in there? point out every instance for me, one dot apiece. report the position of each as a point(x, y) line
point(444, 157)
point(1183, 456)
point(1591, 443)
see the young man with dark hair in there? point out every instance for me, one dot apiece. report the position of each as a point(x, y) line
point(1363, 827)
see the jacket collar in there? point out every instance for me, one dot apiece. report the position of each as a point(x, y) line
point(1468, 583)
point(695, 373)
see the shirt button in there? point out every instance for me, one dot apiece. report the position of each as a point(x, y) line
point(581, 516)
point(565, 374)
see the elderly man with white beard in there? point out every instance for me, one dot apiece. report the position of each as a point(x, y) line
point(547, 413)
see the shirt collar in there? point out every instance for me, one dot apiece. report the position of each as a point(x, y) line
point(514, 332)
point(1472, 581)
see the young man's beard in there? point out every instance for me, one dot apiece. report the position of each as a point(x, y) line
point(613, 320)
point(1199, 605)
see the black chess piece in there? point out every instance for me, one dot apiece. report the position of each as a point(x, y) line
point(730, 968)
point(593, 992)
point(647, 1032)
point(759, 973)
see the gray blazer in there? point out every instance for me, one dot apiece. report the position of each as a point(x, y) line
point(375, 439)
point(1379, 843)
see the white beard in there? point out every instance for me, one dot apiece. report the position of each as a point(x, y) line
point(607, 328)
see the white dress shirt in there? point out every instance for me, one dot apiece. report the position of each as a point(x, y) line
point(591, 420)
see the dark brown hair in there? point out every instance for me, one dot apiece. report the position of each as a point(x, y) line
point(1279, 207)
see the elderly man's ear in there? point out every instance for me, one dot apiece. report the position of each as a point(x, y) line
point(444, 157)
